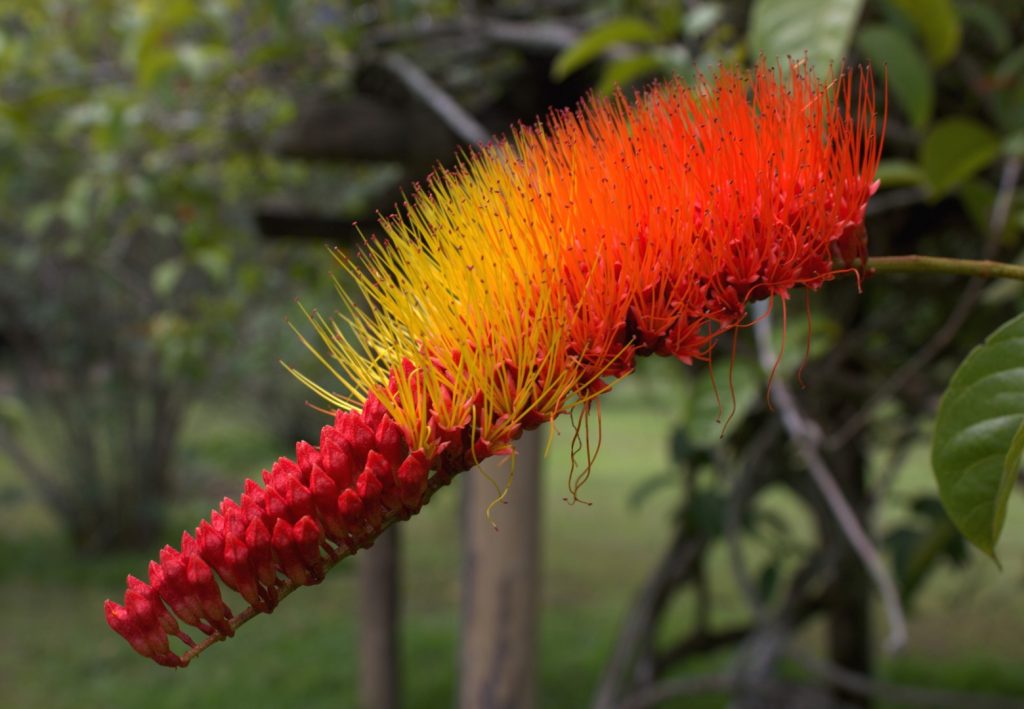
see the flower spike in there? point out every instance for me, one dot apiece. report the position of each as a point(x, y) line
point(520, 285)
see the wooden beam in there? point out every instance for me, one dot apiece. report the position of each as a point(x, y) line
point(501, 583)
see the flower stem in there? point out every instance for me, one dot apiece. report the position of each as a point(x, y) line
point(916, 263)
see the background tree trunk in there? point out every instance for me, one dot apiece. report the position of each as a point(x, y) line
point(501, 584)
point(378, 623)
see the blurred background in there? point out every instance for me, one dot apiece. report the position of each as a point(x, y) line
point(170, 174)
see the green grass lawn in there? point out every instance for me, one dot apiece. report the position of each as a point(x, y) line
point(56, 651)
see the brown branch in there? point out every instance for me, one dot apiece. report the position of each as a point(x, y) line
point(702, 641)
point(660, 692)
point(806, 437)
point(744, 486)
point(533, 35)
point(892, 693)
point(678, 561)
point(461, 122)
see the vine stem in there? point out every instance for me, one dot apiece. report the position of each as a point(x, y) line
point(916, 263)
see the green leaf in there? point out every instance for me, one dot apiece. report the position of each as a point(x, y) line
point(896, 172)
point(910, 80)
point(781, 28)
point(998, 33)
point(939, 25)
point(215, 261)
point(165, 276)
point(1013, 145)
point(155, 66)
point(701, 18)
point(1009, 66)
point(709, 405)
point(625, 71)
point(979, 436)
point(592, 44)
point(955, 150)
point(976, 197)
point(1011, 467)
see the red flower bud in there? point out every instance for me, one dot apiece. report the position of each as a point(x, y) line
point(188, 544)
point(161, 615)
point(379, 467)
point(275, 504)
point(356, 434)
point(308, 536)
point(325, 498)
point(147, 640)
point(306, 456)
point(211, 549)
point(170, 579)
point(391, 442)
point(369, 489)
point(205, 590)
point(338, 463)
point(373, 411)
point(236, 559)
point(261, 558)
point(299, 499)
point(282, 470)
point(412, 480)
point(350, 507)
point(287, 555)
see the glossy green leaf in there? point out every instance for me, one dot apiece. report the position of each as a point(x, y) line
point(939, 25)
point(781, 28)
point(979, 435)
point(955, 150)
point(626, 71)
point(911, 84)
point(592, 44)
point(896, 172)
point(986, 19)
point(1011, 468)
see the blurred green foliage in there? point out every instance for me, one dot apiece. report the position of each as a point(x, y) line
point(134, 141)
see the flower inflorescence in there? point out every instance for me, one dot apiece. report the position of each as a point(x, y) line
point(521, 284)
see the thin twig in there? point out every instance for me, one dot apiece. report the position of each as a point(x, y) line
point(743, 489)
point(679, 561)
point(660, 692)
point(889, 692)
point(806, 437)
point(532, 35)
point(461, 122)
point(916, 263)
